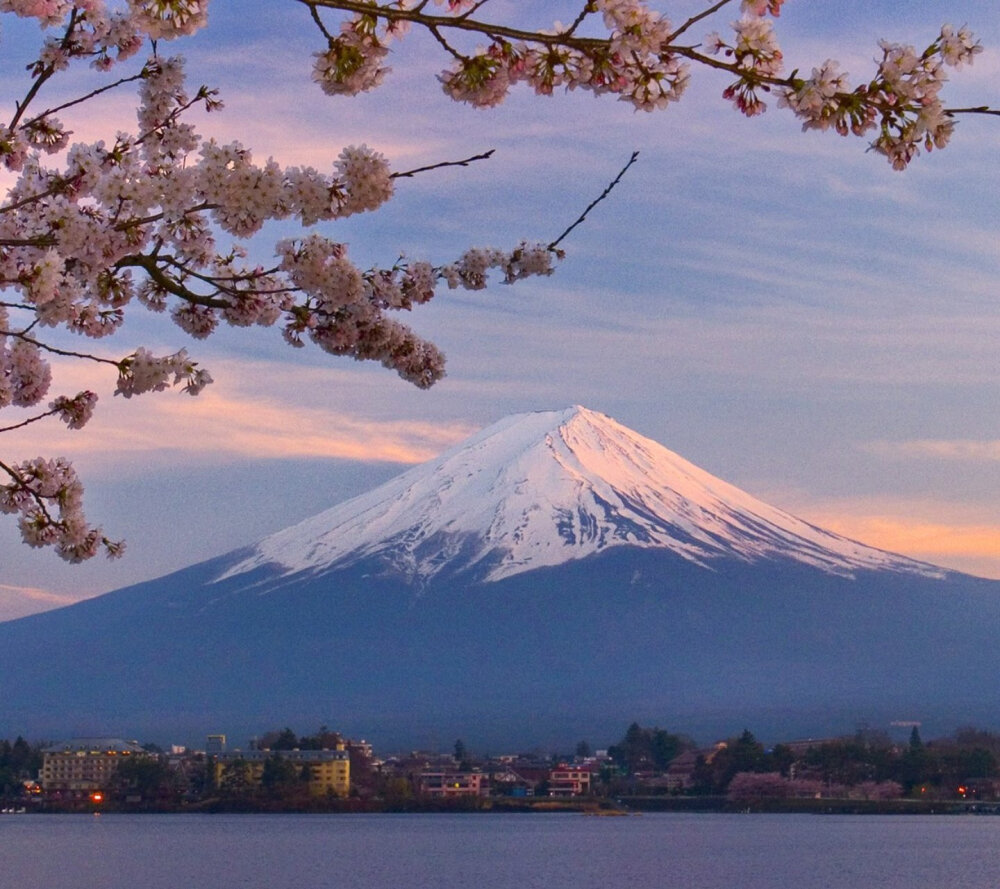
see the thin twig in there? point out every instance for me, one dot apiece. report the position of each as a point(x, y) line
point(979, 109)
point(319, 23)
point(44, 73)
point(596, 201)
point(579, 20)
point(439, 37)
point(81, 99)
point(486, 155)
point(697, 18)
point(63, 352)
point(28, 421)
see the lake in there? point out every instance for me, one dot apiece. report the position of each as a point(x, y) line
point(491, 851)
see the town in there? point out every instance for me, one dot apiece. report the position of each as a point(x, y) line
point(649, 768)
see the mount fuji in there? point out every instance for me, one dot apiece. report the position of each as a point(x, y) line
point(555, 576)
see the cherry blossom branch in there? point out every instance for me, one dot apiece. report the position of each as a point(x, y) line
point(641, 62)
point(137, 225)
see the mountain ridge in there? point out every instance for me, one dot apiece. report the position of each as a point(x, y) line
point(798, 632)
point(540, 488)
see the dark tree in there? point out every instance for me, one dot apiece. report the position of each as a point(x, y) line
point(280, 778)
point(286, 740)
point(235, 779)
point(146, 777)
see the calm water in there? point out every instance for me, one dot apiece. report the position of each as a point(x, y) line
point(498, 851)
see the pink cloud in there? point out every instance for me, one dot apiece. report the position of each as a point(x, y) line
point(241, 416)
point(19, 601)
point(952, 535)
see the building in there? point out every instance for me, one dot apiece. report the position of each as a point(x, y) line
point(569, 781)
point(84, 765)
point(326, 771)
point(451, 784)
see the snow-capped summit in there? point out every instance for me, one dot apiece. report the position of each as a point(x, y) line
point(541, 489)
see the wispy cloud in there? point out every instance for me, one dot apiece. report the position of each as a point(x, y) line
point(231, 420)
point(940, 449)
point(20, 601)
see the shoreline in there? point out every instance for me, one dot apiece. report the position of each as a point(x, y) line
point(620, 806)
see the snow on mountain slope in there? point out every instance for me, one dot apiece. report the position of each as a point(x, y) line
point(543, 488)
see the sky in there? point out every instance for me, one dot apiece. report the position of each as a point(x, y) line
point(781, 308)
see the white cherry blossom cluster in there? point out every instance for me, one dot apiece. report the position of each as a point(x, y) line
point(757, 58)
point(902, 103)
point(352, 61)
point(144, 372)
point(166, 19)
point(25, 376)
point(633, 63)
point(47, 497)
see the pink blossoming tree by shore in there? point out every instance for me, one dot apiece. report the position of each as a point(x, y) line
point(148, 219)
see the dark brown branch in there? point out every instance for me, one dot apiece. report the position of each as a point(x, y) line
point(156, 217)
point(454, 22)
point(57, 188)
point(149, 265)
point(566, 39)
point(40, 241)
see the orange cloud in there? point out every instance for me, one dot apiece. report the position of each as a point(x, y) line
point(20, 601)
point(237, 417)
point(962, 545)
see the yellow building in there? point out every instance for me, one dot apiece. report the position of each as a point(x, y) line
point(84, 764)
point(326, 771)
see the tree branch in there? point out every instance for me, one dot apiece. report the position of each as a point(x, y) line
point(486, 155)
point(82, 99)
point(697, 18)
point(62, 352)
point(29, 421)
point(635, 155)
point(149, 265)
